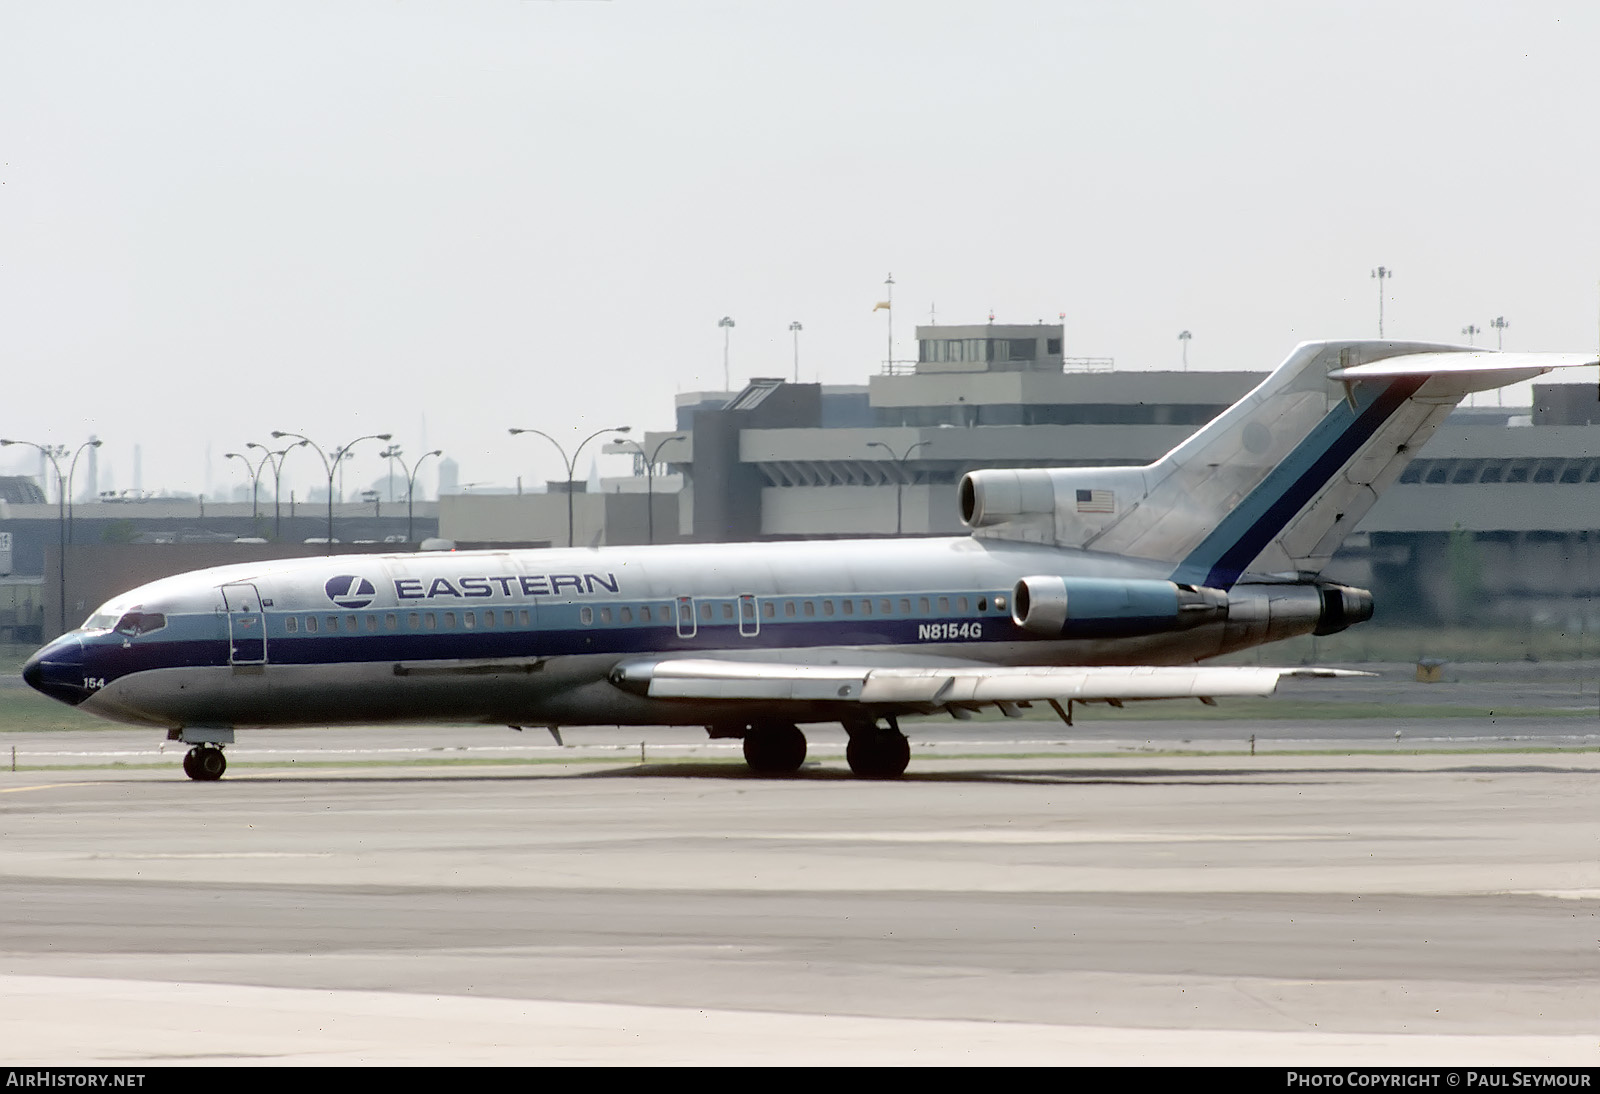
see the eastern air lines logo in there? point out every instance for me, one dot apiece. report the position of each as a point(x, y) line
point(349, 591)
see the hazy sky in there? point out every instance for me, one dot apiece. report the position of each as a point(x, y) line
point(217, 220)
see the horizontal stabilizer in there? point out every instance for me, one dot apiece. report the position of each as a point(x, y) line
point(1460, 362)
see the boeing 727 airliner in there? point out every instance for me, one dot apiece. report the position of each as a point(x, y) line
point(1074, 585)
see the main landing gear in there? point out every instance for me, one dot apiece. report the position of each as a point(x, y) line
point(877, 752)
point(773, 747)
point(204, 763)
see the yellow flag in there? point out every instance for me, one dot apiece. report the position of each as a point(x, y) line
point(882, 304)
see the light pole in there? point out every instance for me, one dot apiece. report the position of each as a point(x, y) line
point(255, 479)
point(72, 472)
point(1499, 324)
point(650, 476)
point(277, 481)
point(1382, 274)
point(1183, 340)
point(393, 452)
point(1472, 333)
point(727, 325)
point(339, 453)
point(887, 304)
point(796, 328)
point(61, 521)
point(899, 485)
point(514, 431)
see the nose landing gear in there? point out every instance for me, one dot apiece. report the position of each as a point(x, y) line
point(204, 763)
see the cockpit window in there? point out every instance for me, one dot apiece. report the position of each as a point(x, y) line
point(100, 621)
point(135, 623)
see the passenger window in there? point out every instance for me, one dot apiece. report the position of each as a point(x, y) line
point(291, 624)
point(311, 624)
point(429, 620)
point(905, 606)
point(961, 605)
point(848, 606)
point(605, 615)
point(827, 607)
point(866, 607)
point(983, 603)
point(922, 605)
point(811, 607)
point(788, 608)
point(944, 605)
point(523, 616)
point(586, 615)
point(333, 624)
point(488, 618)
point(705, 612)
point(886, 607)
point(449, 621)
point(644, 613)
point(769, 610)
point(625, 615)
point(372, 623)
point(412, 620)
point(390, 622)
point(469, 620)
point(727, 611)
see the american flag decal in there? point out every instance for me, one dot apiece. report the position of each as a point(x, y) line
point(1097, 501)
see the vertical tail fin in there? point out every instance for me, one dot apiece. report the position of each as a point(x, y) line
point(1273, 484)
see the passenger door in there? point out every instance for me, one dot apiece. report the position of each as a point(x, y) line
point(247, 625)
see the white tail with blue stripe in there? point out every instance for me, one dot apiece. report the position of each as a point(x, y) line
point(1276, 482)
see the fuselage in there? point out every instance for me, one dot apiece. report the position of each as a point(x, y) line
point(531, 637)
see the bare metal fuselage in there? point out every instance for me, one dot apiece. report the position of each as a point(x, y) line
point(533, 637)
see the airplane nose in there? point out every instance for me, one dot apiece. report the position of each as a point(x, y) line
point(57, 671)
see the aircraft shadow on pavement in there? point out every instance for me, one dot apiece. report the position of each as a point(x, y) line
point(1175, 774)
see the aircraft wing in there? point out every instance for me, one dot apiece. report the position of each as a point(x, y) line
point(957, 688)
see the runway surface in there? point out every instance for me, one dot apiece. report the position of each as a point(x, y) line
point(996, 908)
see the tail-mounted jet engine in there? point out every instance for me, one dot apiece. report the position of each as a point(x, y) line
point(1108, 607)
point(1054, 606)
point(1267, 613)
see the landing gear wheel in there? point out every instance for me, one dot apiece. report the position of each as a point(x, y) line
point(878, 753)
point(774, 748)
point(204, 763)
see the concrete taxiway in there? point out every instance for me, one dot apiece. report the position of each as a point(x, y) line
point(1411, 908)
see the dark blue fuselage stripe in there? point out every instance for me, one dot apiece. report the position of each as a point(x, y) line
point(1230, 548)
